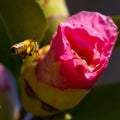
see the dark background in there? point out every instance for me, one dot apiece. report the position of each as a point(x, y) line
point(107, 7)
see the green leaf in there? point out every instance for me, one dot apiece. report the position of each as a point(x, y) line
point(102, 103)
point(19, 20)
point(116, 19)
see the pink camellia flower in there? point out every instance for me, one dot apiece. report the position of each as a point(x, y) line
point(66, 70)
point(79, 51)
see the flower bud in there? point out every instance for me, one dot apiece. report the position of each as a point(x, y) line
point(9, 107)
point(66, 70)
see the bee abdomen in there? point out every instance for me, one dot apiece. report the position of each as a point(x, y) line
point(13, 50)
point(18, 48)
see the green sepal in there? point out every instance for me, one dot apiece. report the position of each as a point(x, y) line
point(102, 103)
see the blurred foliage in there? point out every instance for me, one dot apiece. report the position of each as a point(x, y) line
point(5, 113)
point(19, 20)
point(116, 19)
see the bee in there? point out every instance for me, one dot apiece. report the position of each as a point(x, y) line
point(27, 47)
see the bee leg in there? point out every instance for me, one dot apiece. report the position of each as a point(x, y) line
point(30, 54)
point(23, 55)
